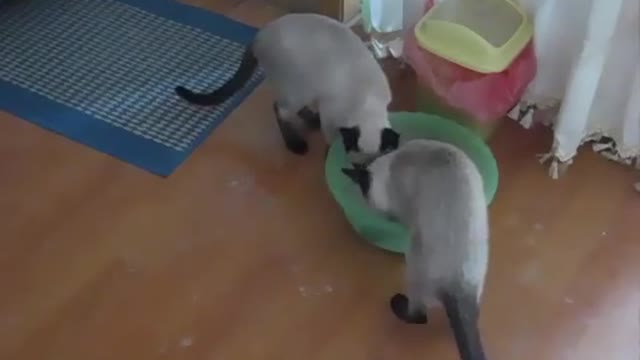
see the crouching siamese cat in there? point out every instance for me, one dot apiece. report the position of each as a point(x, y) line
point(436, 191)
point(315, 62)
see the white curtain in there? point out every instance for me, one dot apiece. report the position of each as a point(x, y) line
point(589, 75)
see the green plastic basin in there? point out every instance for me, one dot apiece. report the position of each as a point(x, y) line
point(372, 225)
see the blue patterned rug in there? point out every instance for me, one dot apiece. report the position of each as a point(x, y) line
point(103, 72)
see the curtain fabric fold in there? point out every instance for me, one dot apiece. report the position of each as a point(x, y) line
point(588, 75)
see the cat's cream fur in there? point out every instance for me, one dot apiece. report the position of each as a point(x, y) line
point(436, 191)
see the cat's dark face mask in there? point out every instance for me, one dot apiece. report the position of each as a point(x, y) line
point(388, 141)
point(350, 138)
point(361, 176)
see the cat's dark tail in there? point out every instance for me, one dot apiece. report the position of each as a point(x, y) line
point(246, 69)
point(462, 311)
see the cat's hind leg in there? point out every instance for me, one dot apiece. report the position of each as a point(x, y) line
point(287, 119)
point(411, 307)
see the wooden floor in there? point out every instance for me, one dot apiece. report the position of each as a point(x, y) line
point(242, 254)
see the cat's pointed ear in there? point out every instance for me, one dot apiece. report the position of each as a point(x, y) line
point(350, 136)
point(358, 174)
point(389, 140)
point(361, 177)
point(360, 166)
point(354, 174)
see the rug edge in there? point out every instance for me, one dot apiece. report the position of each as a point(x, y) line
point(197, 17)
point(94, 133)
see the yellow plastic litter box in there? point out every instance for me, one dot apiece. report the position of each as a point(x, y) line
point(481, 35)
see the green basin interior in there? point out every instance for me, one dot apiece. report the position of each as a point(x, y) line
point(370, 224)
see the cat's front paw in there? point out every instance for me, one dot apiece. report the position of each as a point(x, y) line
point(400, 307)
point(310, 118)
point(297, 146)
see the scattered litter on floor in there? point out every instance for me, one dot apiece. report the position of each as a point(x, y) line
point(531, 240)
point(245, 187)
point(242, 183)
point(512, 220)
point(531, 273)
point(307, 291)
point(296, 269)
point(186, 341)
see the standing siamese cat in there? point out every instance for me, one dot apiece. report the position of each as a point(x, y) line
point(436, 191)
point(313, 61)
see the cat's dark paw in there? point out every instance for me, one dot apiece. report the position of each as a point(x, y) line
point(292, 139)
point(311, 119)
point(297, 146)
point(294, 142)
point(400, 306)
point(313, 123)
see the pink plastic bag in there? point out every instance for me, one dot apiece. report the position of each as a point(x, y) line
point(483, 97)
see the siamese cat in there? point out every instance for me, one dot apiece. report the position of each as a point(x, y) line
point(436, 191)
point(315, 62)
